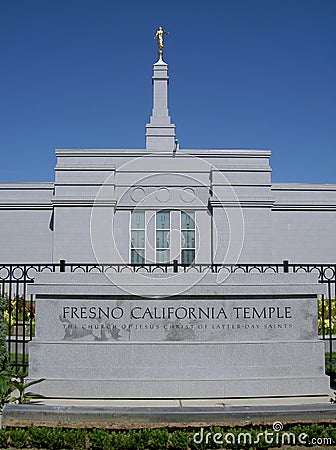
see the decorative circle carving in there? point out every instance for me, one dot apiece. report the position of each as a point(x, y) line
point(162, 195)
point(188, 195)
point(138, 194)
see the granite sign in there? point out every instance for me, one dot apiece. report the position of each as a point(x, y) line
point(251, 335)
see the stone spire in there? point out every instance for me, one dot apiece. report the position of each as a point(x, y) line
point(160, 132)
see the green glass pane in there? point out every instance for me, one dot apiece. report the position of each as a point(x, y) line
point(138, 239)
point(162, 256)
point(188, 239)
point(188, 256)
point(137, 256)
point(163, 220)
point(138, 219)
point(162, 239)
point(187, 220)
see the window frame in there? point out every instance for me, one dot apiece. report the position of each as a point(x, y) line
point(132, 249)
point(162, 249)
point(184, 249)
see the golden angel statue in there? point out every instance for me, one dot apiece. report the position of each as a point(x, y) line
point(159, 35)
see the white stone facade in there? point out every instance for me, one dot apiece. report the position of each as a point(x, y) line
point(239, 215)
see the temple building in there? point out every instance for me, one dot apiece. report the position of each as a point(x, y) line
point(163, 203)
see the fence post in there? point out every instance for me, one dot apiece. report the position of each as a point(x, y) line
point(62, 265)
point(286, 266)
point(175, 266)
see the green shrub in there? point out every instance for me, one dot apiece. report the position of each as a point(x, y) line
point(179, 440)
point(127, 440)
point(3, 339)
point(76, 439)
point(153, 439)
point(54, 439)
point(158, 438)
point(18, 438)
point(312, 431)
point(46, 438)
point(330, 364)
point(330, 432)
point(329, 324)
point(37, 437)
point(101, 439)
point(3, 438)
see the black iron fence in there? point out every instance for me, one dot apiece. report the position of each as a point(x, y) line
point(20, 311)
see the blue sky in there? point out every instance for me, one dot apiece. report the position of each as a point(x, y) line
point(243, 74)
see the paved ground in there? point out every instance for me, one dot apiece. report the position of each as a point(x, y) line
point(207, 402)
point(122, 414)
